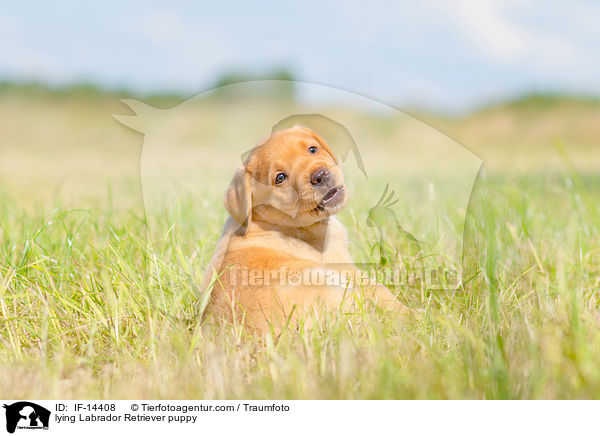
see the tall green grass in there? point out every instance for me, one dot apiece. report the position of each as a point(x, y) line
point(92, 308)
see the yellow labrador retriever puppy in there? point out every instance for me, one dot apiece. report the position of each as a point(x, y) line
point(282, 252)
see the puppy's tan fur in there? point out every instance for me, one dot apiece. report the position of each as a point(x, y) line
point(281, 227)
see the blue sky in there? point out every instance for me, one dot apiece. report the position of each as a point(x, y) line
point(441, 55)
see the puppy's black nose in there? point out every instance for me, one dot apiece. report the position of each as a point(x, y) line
point(320, 177)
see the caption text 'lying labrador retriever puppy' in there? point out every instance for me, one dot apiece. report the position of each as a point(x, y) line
point(283, 253)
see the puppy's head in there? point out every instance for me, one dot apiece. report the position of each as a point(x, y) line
point(290, 178)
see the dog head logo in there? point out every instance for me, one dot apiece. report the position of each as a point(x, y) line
point(26, 415)
point(191, 151)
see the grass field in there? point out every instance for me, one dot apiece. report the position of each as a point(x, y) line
point(92, 308)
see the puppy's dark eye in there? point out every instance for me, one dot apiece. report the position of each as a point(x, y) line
point(313, 149)
point(280, 178)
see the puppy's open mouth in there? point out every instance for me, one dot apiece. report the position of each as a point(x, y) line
point(332, 198)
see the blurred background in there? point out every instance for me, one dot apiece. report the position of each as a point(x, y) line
point(123, 120)
point(439, 56)
point(508, 80)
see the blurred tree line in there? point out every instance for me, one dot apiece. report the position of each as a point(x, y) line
point(281, 87)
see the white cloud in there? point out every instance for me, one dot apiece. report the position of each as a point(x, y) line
point(483, 24)
point(512, 32)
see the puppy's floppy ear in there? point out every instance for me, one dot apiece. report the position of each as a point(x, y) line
point(238, 198)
